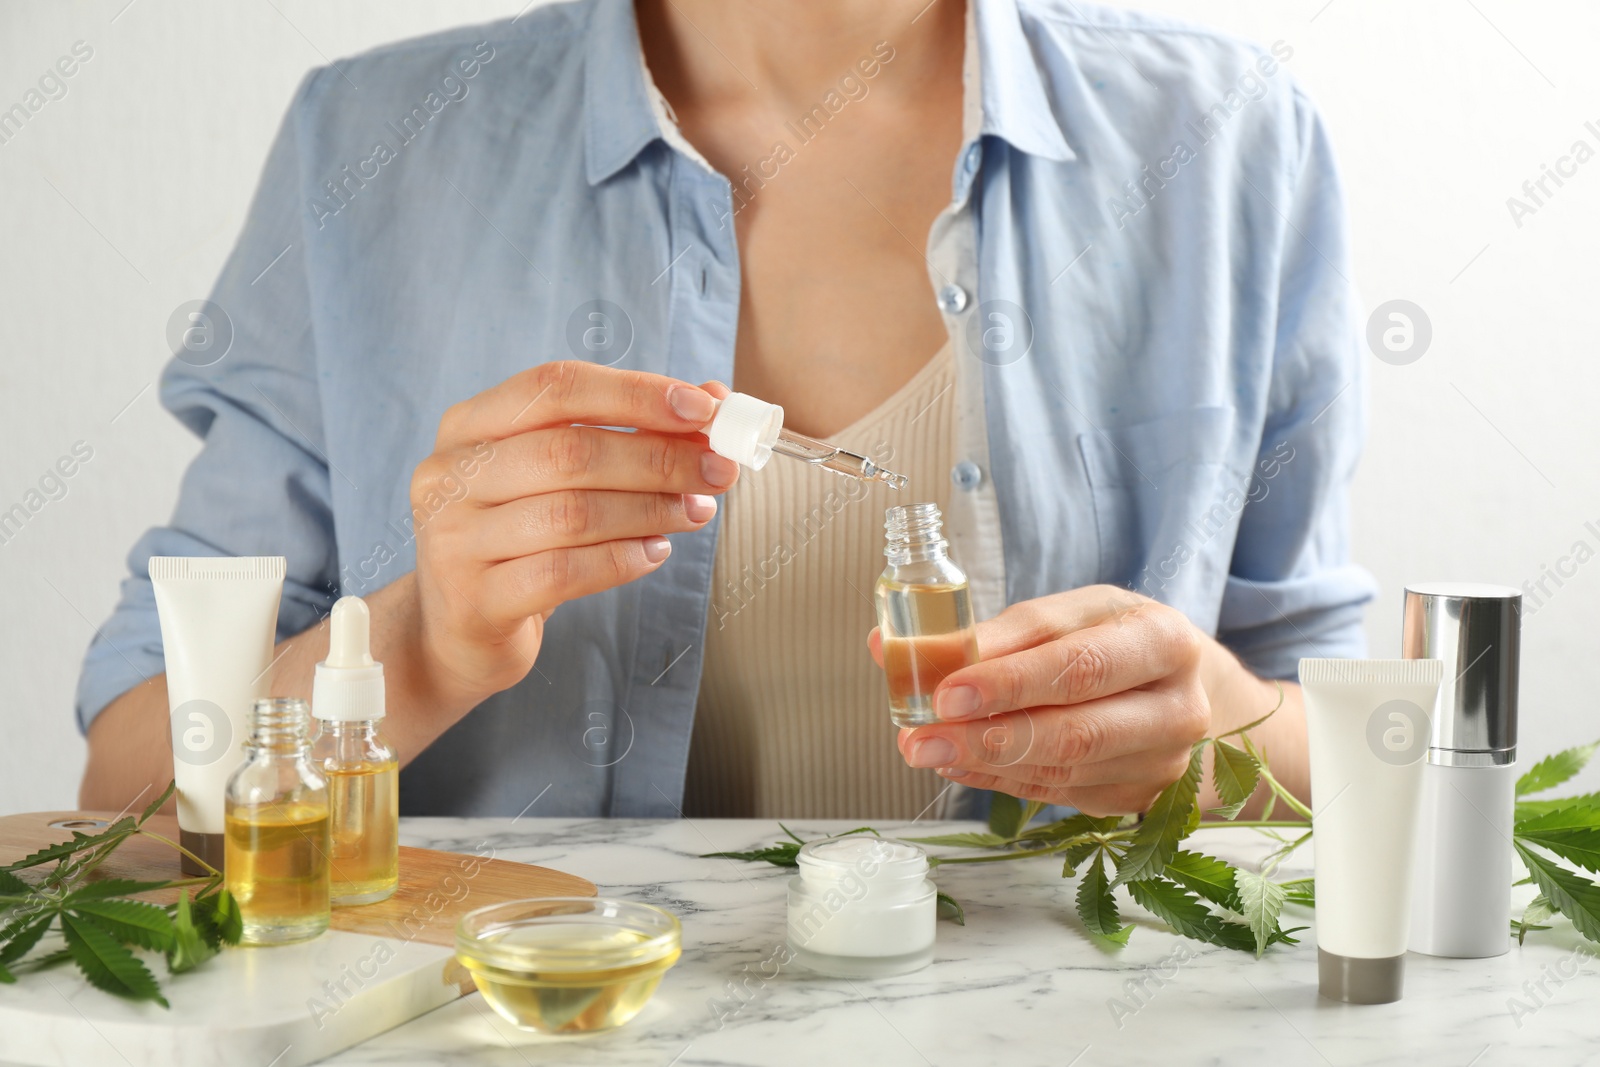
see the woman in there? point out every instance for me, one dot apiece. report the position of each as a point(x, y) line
point(1077, 272)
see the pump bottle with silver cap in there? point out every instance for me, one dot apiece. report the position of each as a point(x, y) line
point(1461, 896)
point(362, 770)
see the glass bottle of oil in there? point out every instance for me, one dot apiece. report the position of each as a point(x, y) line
point(924, 613)
point(276, 842)
point(360, 765)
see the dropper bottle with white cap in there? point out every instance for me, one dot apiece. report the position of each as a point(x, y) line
point(362, 770)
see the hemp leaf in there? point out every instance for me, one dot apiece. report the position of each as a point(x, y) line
point(1072, 826)
point(1175, 906)
point(99, 925)
point(107, 963)
point(1570, 829)
point(1235, 774)
point(1206, 875)
point(1263, 899)
point(1203, 897)
point(1300, 891)
point(961, 840)
point(1571, 833)
point(1167, 822)
point(1571, 894)
point(1553, 770)
point(189, 948)
point(1008, 816)
point(783, 853)
point(1538, 910)
point(132, 922)
point(1527, 809)
point(1077, 852)
point(1097, 907)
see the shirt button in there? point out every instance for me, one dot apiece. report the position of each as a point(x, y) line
point(952, 299)
point(970, 163)
point(966, 475)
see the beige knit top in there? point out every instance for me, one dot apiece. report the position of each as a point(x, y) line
point(793, 714)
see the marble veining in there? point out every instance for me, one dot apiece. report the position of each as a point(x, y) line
point(1020, 984)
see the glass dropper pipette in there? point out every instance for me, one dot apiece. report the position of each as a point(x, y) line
point(749, 431)
point(833, 458)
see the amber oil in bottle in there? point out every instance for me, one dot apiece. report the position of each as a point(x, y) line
point(360, 765)
point(362, 777)
point(276, 829)
point(924, 613)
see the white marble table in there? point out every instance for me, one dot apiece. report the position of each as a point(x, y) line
point(1018, 985)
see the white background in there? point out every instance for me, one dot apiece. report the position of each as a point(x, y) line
point(119, 201)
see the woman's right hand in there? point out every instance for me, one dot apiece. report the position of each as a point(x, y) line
point(526, 503)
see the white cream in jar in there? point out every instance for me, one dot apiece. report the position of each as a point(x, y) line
point(862, 907)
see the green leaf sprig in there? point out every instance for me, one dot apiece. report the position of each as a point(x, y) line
point(1205, 898)
point(99, 925)
point(1568, 828)
point(783, 853)
point(1199, 896)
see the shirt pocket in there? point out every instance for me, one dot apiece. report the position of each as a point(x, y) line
point(1165, 496)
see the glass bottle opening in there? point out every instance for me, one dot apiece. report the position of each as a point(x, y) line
point(279, 721)
point(910, 528)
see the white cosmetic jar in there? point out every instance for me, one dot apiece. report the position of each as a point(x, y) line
point(862, 907)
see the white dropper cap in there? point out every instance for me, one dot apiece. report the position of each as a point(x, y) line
point(745, 429)
point(348, 685)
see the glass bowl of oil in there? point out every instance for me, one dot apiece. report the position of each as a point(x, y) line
point(568, 965)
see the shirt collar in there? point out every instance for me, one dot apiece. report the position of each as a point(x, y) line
point(620, 121)
point(1015, 104)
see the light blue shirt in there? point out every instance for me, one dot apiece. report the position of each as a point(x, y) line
point(1158, 338)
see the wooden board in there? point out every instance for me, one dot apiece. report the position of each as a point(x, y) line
point(381, 965)
point(436, 888)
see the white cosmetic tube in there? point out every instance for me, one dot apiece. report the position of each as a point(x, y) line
point(218, 619)
point(1368, 725)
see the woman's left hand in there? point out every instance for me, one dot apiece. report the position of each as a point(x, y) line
point(1091, 698)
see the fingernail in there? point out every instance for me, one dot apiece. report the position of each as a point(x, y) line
point(934, 752)
point(657, 549)
point(957, 702)
point(691, 404)
point(699, 508)
point(951, 772)
point(718, 470)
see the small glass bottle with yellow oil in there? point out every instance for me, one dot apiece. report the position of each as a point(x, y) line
point(362, 770)
point(275, 858)
point(924, 613)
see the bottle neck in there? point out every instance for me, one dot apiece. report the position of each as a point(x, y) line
point(350, 727)
point(899, 555)
point(914, 534)
point(279, 727)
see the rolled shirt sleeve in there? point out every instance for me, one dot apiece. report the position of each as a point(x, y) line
point(261, 483)
point(1292, 590)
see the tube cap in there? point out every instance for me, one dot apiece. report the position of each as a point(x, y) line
point(1358, 981)
point(745, 429)
point(348, 685)
point(1476, 630)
